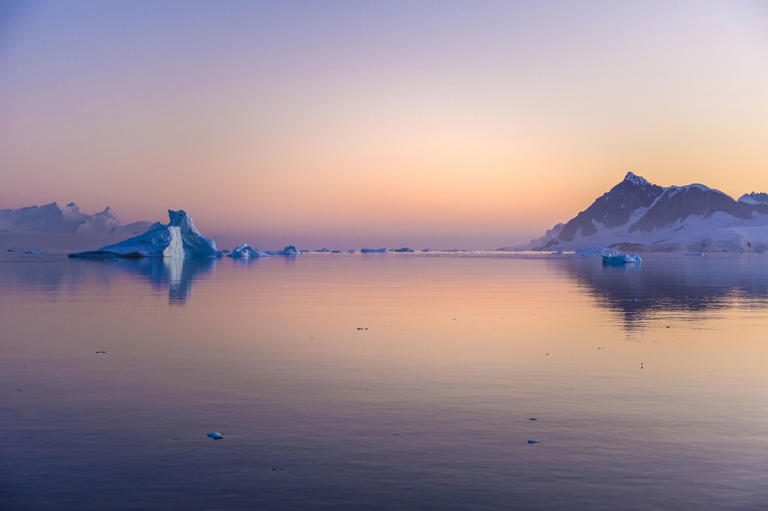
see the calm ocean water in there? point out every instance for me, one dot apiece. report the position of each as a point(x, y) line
point(384, 382)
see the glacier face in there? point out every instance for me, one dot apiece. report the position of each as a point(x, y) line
point(178, 238)
point(638, 215)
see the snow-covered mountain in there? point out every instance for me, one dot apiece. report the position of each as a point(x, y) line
point(51, 218)
point(639, 215)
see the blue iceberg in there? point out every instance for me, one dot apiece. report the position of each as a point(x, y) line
point(245, 251)
point(178, 238)
point(622, 260)
point(290, 250)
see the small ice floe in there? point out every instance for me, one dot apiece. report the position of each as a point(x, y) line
point(533, 418)
point(27, 251)
point(532, 441)
point(101, 352)
point(362, 328)
point(245, 251)
point(373, 250)
point(622, 260)
point(215, 435)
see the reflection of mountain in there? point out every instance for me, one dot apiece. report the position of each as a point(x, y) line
point(177, 274)
point(668, 283)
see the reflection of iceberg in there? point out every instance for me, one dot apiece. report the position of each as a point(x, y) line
point(176, 273)
point(179, 238)
point(668, 283)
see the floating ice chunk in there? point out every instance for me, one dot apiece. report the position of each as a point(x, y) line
point(215, 435)
point(532, 441)
point(290, 250)
point(404, 250)
point(27, 251)
point(622, 260)
point(373, 250)
point(245, 251)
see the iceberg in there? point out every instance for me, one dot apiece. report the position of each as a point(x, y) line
point(245, 251)
point(178, 238)
point(621, 260)
point(290, 250)
point(27, 251)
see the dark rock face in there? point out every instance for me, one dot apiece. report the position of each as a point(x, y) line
point(680, 203)
point(614, 208)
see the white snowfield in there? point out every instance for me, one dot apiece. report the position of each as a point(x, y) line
point(720, 232)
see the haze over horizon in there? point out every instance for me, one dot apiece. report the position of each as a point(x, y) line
point(444, 124)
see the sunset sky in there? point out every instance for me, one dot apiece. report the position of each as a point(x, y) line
point(444, 124)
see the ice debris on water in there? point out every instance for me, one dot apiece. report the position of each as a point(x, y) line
point(245, 251)
point(622, 260)
point(215, 435)
point(532, 441)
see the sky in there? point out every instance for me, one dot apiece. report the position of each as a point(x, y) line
point(467, 124)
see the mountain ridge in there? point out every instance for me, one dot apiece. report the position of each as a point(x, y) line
point(644, 216)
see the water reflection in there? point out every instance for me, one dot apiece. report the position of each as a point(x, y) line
point(668, 283)
point(177, 274)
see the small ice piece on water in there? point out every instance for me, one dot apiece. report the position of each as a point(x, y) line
point(622, 260)
point(533, 441)
point(215, 435)
point(245, 251)
point(533, 418)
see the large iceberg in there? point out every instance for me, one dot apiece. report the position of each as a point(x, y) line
point(178, 238)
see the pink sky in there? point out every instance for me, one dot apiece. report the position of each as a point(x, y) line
point(451, 124)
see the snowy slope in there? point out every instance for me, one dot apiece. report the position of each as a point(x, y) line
point(638, 215)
